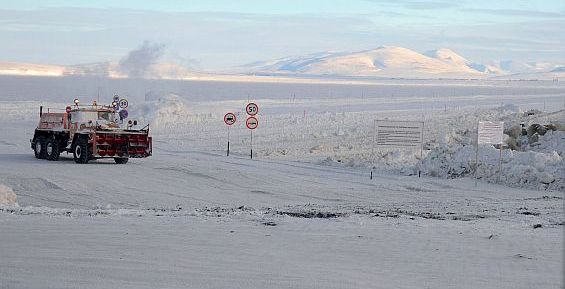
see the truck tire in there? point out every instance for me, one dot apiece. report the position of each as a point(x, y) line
point(52, 151)
point(81, 154)
point(121, 160)
point(39, 147)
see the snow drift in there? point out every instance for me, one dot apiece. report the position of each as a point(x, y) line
point(7, 196)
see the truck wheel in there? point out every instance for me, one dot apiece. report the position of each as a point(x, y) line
point(52, 151)
point(81, 155)
point(121, 160)
point(39, 147)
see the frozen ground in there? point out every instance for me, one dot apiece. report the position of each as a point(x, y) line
point(302, 214)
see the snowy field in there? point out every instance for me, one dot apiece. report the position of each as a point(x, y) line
point(304, 212)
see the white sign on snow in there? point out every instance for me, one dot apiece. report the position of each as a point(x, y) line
point(399, 133)
point(490, 132)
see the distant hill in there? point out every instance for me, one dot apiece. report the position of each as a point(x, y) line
point(394, 62)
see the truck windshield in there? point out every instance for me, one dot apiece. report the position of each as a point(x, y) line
point(106, 115)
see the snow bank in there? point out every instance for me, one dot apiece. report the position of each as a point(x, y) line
point(536, 161)
point(449, 150)
point(7, 196)
point(524, 169)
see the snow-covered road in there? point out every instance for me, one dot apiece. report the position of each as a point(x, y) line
point(241, 252)
point(204, 220)
point(190, 217)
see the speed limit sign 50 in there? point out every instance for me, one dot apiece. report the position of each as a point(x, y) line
point(252, 109)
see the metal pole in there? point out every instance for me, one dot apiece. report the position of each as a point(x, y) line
point(421, 149)
point(373, 146)
point(477, 158)
point(228, 153)
point(374, 136)
point(251, 154)
point(500, 163)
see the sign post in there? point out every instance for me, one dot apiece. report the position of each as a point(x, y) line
point(229, 119)
point(489, 132)
point(251, 123)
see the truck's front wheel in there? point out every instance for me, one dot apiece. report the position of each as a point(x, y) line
point(81, 154)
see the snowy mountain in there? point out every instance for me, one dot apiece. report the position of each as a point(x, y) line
point(394, 62)
point(447, 56)
point(382, 61)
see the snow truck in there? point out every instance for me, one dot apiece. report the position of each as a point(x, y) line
point(90, 132)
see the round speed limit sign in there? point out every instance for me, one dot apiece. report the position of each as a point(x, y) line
point(229, 118)
point(123, 103)
point(252, 109)
point(252, 122)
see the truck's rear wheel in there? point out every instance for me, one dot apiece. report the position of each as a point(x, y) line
point(39, 147)
point(52, 151)
point(81, 155)
point(121, 160)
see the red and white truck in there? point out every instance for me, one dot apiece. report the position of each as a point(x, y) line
point(90, 132)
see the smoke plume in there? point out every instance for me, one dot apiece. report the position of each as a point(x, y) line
point(138, 63)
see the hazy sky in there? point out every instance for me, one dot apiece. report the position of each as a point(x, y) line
point(220, 34)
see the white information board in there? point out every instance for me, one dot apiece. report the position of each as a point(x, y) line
point(399, 133)
point(490, 132)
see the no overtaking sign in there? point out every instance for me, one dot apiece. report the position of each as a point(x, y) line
point(252, 123)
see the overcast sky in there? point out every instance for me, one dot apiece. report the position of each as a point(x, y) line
point(220, 34)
